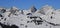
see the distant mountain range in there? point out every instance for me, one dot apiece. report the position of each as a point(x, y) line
point(46, 17)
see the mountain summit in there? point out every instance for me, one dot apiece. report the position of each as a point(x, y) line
point(46, 17)
point(33, 9)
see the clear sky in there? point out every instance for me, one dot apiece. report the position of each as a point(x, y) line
point(26, 4)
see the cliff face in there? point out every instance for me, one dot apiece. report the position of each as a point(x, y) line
point(46, 17)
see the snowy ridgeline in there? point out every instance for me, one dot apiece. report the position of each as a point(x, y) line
point(46, 17)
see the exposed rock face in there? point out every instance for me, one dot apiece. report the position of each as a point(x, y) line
point(13, 10)
point(47, 17)
point(2, 10)
point(33, 9)
point(22, 12)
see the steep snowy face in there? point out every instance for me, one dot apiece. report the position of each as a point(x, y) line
point(56, 17)
point(13, 9)
point(47, 17)
point(46, 9)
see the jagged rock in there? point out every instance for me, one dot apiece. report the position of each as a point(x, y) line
point(13, 9)
point(33, 9)
point(2, 10)
point(22, 12)
point(33, 18)
point(29, 14)
point(1, 15)
point(8, 26)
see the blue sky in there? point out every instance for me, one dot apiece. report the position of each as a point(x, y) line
point(26, 4)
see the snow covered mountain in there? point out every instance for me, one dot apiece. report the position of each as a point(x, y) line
point(46, 17)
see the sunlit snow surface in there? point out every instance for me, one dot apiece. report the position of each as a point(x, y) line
point(44, 18)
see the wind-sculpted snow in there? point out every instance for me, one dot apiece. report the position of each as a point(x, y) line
point(47, 17)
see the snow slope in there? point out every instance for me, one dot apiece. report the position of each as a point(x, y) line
point(47, 17)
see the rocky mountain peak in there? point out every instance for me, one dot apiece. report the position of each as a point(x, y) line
point(33, 9)
point(45, 8)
